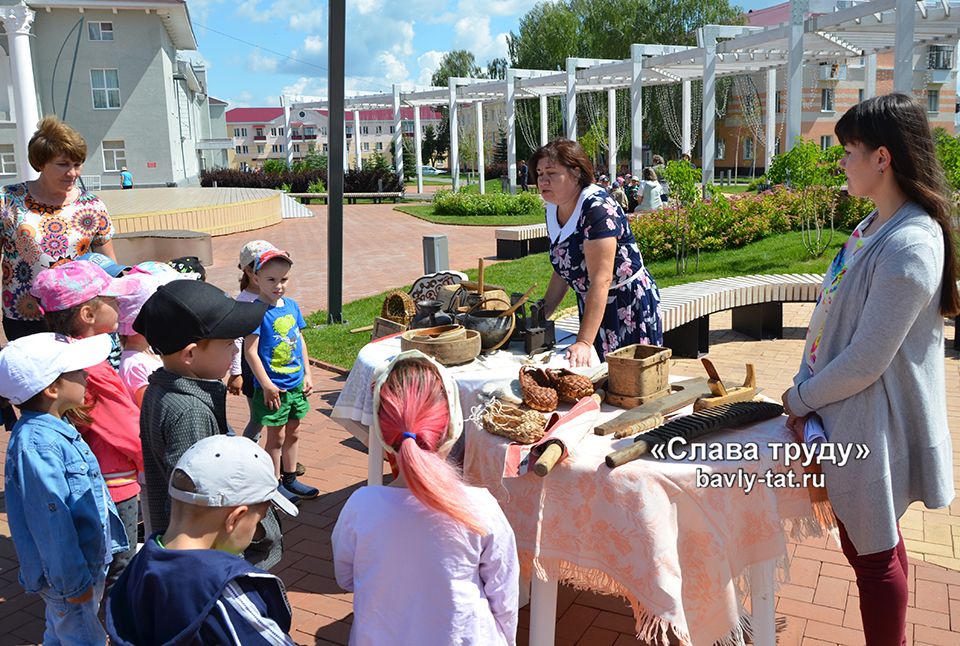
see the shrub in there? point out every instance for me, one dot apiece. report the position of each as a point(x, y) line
point(274, 166)
point(450, 203)
point(316, 186)
point(806, 165)
point(298, 181)
point(948, 152)
point(369, 180)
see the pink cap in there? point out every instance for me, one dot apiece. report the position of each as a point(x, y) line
point(75, 283)
point(130, 304)
point(268, 255)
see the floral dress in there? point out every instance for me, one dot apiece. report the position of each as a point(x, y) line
point(633, 313)
point(36, 236)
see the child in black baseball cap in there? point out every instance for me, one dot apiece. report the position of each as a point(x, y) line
point(191, 325)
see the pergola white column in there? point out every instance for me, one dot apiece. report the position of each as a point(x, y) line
point(903, 47)
point(397, 134)
point(771, 132)
point(356, 139)
point(287, 137)
point(510, 99)
point(17, 20)
point(417, 147)
point(478, 109)
point(636, 110)
point(686, 129)
point(798, 10)
point(708, 119)
point(571, 126)
point(454, 157)
point(544, 124)
point(869, 76)
point(612, 134)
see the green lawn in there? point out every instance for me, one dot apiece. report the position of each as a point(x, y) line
point(425, 212)
point(776, 255)
point(734, 188)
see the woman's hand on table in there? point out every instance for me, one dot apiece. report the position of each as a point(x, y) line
point(579, 354)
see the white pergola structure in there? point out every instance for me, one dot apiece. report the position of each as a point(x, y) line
point(861, 30)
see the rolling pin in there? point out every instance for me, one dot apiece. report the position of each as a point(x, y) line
point(632, 452)
point(551, 455)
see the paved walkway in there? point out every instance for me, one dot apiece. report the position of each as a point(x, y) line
point(382, 249)
point(818, 608)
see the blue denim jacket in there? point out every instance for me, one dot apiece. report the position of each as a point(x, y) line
point(64, 525)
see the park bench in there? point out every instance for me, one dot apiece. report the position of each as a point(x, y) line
point(520, 241)
point(756, 301)
point(351, 198)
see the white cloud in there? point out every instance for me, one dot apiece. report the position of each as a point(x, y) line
point(473, 33)
point(271, 100)
point(392, 67)
point(476, 8)
point(241, 100)
point(251, 10)
point(428, 63)
point(366, 7)
point(315, 45)
point(313, 20)
point(257, 62)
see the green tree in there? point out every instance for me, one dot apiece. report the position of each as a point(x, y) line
point(500, 147)
point(428, 147)
point(497, 68)
point(274, 166)
point(458, 62)
point(948, 152)
point(547, 35)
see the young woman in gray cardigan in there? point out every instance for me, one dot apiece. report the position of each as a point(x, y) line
point(873, 362)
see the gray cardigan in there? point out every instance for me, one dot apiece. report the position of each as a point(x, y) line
point(879, 380)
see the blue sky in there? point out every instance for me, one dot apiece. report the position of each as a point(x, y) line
point(256, 50)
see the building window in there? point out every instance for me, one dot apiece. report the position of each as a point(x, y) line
point(277, 148)
point(379, 144)
point(366, 146)
point(826, 99)
point(933, 100)
point(239, 149)
point(324, 147)
point(100, 30)
point(236, 132)
point(721, 149)
point(779, 96)
point(280, 130)
point(860, 95)
point(364, 130)
point(259, 149)
point(258, 132)
point(8, 164)
point(246, 150)
point(379, 130)
point(776, 146)
point(391, 130)
point(273, 132)
point(114, 156)
point(747, 149)
point(309, 131)
point(408, 127)
point(323, 131)
point(940, 57)
point(243, 132)
point(826, 141)
point(296, 148)
point(106, 89)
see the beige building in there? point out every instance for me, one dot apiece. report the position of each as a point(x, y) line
point(259, 133)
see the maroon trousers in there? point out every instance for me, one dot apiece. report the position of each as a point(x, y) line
point(882, 582)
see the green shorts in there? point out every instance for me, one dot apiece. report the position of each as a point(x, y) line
point(293, 405)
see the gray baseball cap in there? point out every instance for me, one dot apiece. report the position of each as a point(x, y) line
point(229, 471)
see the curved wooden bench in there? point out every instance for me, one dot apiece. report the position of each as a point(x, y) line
point(520, 241)
point(133, 248)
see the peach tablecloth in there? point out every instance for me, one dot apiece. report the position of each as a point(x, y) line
point(646, 532)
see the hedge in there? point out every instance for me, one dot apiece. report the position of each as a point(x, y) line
point(450, 203)
point(354, 181)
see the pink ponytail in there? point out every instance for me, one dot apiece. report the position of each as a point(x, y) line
point(413, 417)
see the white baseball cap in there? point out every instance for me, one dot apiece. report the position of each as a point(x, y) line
point(31, 363)
point(228, 471)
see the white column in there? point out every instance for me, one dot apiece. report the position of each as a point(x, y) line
point(870, 76)
point(356, 139)
point(571, 129)
point(17, 20)
point(636, 111)
point(397, 133)
point(612, 134)
point(287, 137)
point(708, 120)
point(478, 108)
point(686, 127)
point(544, 124)
point(418, 147)
point(511, 104)
point(906, 18)
point(771, 117)
point(454, 157)
point(798, 10)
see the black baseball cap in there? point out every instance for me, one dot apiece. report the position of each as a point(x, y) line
point(185, 311)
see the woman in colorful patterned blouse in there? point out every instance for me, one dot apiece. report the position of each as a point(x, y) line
point(46, 222)
point(593, 250)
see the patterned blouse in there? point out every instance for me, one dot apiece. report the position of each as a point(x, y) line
point(36, 236)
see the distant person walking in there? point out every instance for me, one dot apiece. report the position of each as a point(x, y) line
point(126, 178)
point(524, 174)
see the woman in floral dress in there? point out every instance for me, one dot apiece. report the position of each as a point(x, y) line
point(46, 222)
point(593, 250)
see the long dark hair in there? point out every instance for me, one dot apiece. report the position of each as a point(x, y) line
point(899, 123)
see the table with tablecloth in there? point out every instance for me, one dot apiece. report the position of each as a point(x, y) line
point(680, 553)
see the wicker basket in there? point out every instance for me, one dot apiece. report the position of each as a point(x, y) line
point(398, 307)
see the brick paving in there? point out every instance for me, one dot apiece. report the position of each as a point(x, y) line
point(818, 607)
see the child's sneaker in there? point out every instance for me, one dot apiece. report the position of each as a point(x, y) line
point(291, 484)
point(289, 495)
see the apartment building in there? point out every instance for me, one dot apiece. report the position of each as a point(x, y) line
point(115, 72)
point(258, 133)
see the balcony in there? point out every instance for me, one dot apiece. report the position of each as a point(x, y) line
point(939, 76)
point(259, 138)
point(309, 136)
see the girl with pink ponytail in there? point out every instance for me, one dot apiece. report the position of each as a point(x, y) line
point(429, 559)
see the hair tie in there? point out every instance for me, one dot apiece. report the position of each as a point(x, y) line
point(406, 434)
